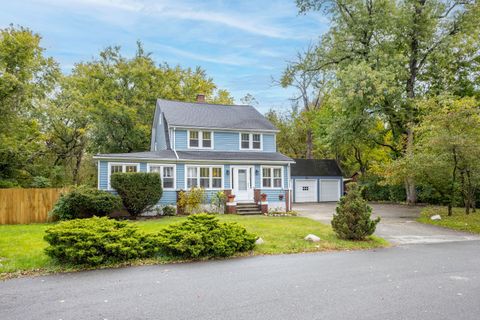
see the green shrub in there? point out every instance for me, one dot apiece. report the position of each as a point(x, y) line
point(191, 200)
point(202, 235)
point(140, 191)
point(84, 202)
point(40, 182)
point(5, 184)
point(218, 201)
point(169, 210)
point(352, 219)
point(97, 241)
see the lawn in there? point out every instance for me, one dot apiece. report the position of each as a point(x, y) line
point(21, 246)
point(457, 221)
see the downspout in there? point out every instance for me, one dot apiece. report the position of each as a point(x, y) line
point(174, 144)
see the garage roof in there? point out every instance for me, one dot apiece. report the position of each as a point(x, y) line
point(316, 167)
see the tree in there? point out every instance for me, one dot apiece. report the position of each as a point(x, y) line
point(27, 77)
point(399, 41)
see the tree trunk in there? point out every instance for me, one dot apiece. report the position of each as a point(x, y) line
point(410, 181)
point(454, 180)
point(76, 170)
point(449, 209)
point(309, 153)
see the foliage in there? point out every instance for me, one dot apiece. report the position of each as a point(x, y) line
point(203, 235)
point(192, 200)
point(84, 202)
point(40, 182)
point(218, 201)
point(457, 220)
point(169, 210)
point(4, 184)
point(352, 219)
point(375, 189)
point(140, 191)
point(97, 241)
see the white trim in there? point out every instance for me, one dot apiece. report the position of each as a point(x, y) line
point(272, 178)
point(123, 164)
point(226, 129)
point(250, 181)
point(230, 204)
point(250, 141)
point(210, 176)
point(162, 165)
point(200, 139)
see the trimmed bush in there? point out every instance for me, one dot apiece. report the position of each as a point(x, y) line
point(169, 210)
point(84, 202)
point(190, 201)
point(97, 241)
point(352, 220)
point(202, 235)
point(140, 191)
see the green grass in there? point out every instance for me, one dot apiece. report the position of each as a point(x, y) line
point(457, 221)
point(21, 246)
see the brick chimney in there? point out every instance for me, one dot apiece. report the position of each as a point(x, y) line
point(201, 98)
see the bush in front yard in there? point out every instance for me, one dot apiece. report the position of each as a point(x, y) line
point(139, 191)
point(84, 202)
point(202, 235)
point(352, 220)
point(97, 241)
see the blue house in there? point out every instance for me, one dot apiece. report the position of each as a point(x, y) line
point(216, 147)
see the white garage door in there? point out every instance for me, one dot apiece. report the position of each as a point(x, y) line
point(329, 190)
point(305, 190)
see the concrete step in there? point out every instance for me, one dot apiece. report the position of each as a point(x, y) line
point(249, 213)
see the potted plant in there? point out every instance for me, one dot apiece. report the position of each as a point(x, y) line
point(263, 197)
point(231, 198)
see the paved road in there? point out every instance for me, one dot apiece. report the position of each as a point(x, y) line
point(398, 223)
point(434, 281)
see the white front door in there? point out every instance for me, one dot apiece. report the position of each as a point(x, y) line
point(242, 183)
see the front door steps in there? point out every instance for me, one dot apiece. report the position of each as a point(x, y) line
point(248, 209)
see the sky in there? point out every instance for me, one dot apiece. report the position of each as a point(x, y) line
point(242, 45)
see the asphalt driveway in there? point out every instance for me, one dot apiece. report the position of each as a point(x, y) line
point(398, 223)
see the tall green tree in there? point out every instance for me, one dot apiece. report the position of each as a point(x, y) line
point(27, 77)
point(398, 42)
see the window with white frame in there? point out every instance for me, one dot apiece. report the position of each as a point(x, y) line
point(167, 174)
point(121, 167)
point(250, 141)
point(200, 139)
point(208, 177)
point(272, 177)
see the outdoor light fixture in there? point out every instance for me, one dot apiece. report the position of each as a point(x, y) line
point(256, 172)
point(227, 172)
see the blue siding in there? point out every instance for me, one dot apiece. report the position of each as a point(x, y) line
point(273, 194)
point(258, 177)
point(103, 175)
point(181, 139)
point(168, 197)
point(269, 143)
point(180, 176)
point(226, 177)
point(226, 141)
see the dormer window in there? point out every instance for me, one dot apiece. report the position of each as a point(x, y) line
point(200, 139)
point(250, 141)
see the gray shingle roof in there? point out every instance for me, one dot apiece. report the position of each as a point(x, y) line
point(204, 115)
point(199, 155)
point(314, 167)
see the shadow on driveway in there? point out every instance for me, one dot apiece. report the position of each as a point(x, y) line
point(398, 223)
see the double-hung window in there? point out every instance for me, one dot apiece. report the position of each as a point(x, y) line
point(167, 174)
point(207, 177)
point(121, 167)
point(250, 141)
point(272, 177)
point(200, 139)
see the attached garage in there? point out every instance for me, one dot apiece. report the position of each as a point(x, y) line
point(316, 181)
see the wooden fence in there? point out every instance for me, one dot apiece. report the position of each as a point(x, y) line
point(20, 206)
